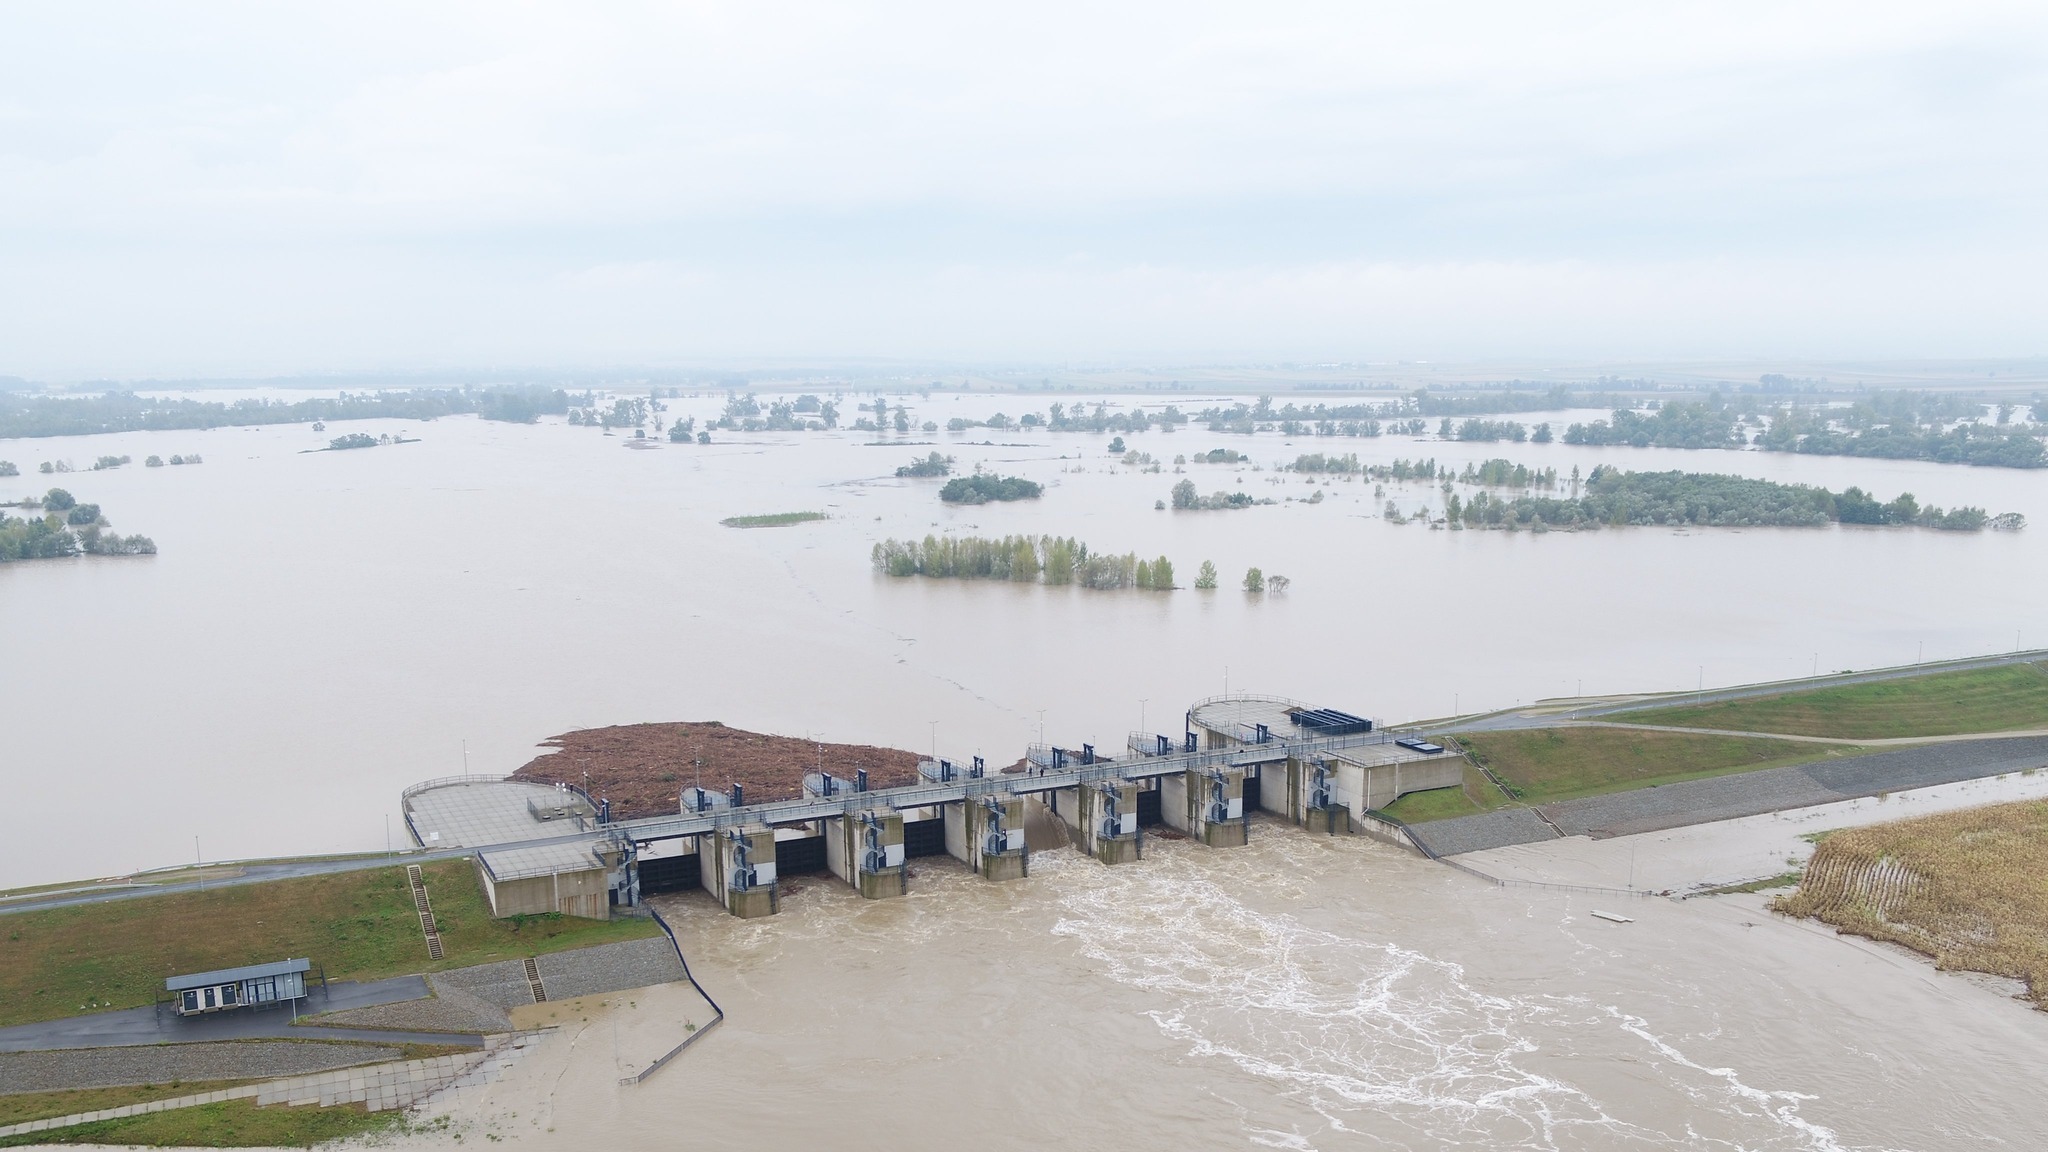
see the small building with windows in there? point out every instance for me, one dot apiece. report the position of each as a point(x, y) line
point(252, 986)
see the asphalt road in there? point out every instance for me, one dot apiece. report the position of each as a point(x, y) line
point(1737, 795)
point(1550, 713)
point(134, 1026)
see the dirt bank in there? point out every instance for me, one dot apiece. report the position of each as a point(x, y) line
point(642, 767)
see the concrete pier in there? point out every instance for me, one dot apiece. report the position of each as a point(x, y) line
point(865, 849)
point(1104, 820)
point(739, 870)
point(987, 834)
point(1207, 804)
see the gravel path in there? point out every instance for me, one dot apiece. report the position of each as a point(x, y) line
point(450, 1009)
point(581, 972)
point(1490, 830)
point(164, 1064)
point(610, 968)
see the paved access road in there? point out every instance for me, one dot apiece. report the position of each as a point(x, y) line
point(1741, 794)
point(1552, 713)
point(133, 1026)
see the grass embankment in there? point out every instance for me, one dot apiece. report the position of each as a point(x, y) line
point(1548, 764)
point(356, 925)
point(1998, 699)
point(25, 1106)
point(772, 520)
point(228, 1124)
point(1476, 795)
point(1969, 889)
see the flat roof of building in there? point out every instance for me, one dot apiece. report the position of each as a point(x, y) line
point(1239, 716)
point(474, 813)
point(236, 975)
point(541, 860)
point(1375, 755)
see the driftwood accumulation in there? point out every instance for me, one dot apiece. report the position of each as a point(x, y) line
point(641, 768)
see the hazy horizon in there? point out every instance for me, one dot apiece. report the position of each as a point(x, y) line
point(225, 191)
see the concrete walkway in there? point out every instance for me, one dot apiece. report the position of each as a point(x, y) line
point(1871, 742)
point(379, 1087)
point(133, 1026)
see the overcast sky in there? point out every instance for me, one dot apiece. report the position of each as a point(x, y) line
point(262, 187)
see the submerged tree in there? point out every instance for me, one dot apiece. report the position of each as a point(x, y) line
point(1254, 580)
point(1205, 576)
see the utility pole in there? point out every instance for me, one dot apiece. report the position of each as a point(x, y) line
point(1142, 701)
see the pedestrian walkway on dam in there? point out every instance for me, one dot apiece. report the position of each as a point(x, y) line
point(1742, 794)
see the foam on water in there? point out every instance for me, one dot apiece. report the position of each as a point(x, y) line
point(1385, 1042)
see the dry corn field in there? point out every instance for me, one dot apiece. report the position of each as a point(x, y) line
point(1968, 888)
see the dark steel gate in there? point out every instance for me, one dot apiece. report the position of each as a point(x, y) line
point(924, 837)
point(1148, 808)
point(671, 874)
point(799, 856)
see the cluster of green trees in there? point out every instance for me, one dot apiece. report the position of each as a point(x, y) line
point(1331, 419)
point(1101, 419)
point(1616, 498)
point(806, 413)
point(1219, 456)
point(1816, 432)
point(932, 465)
point(1488, 431)
point(1506, 474)
point(51, 535)
point(356, 440)
point(1405, 470)
point(883, 420)
point(982, 487)
point(1317, 462)
point(1854, 506)
point(1185, 498)
point(625, 412)
point(1022, 559)
point(1709, 424)
point(1316, 420)
point(23, 416)
point(999, 422)
point(7, 468)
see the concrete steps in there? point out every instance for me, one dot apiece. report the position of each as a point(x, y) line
point(540, 992)
point(426, 910)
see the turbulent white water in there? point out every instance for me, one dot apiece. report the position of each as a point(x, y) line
point(1300, 993)
point(1381, 1039)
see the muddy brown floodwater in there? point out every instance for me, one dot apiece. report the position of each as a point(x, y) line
point(344, 624)
point(1301, 993)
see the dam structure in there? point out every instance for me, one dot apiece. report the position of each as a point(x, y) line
point(552, 848)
